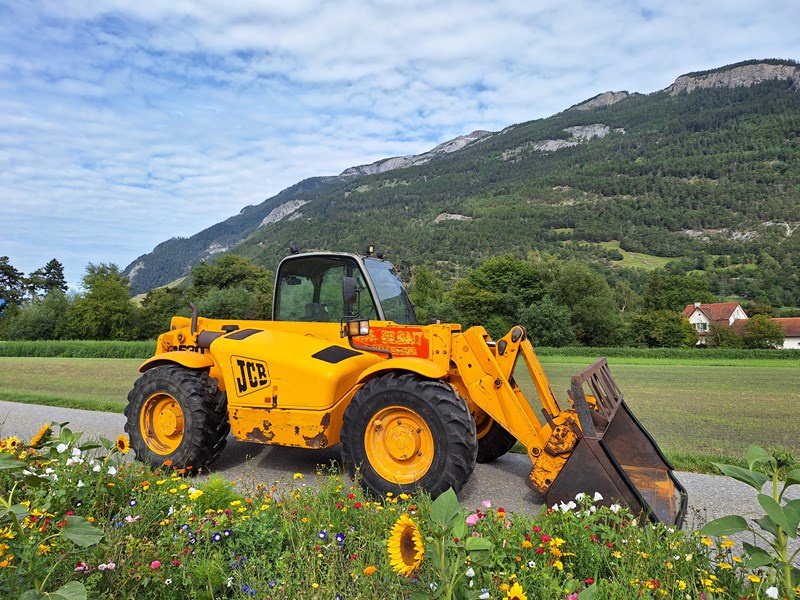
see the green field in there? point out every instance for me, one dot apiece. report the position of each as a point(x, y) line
point(697, 411)
point(636, 259)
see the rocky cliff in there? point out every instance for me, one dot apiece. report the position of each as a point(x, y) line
point(737, 76)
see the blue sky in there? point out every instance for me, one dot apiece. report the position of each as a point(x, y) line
point(123, 124)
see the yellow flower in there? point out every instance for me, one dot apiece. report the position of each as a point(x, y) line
point(6, 562)
point(681, 584)
point(405, 546)
point(161, 482)
point(754, 578)
point(194, 494)
point(526, 544)
point(297, 476)
point(123, 444)
point(370, 570)
point(706, 541)
point(235, 502)
point(3, 548)
point(315, 585)
point(516, 592)
point(725, 566)
point(40, 435)
point(616, 554)
point(44, 549)
point(558, 565)
point(726, 543)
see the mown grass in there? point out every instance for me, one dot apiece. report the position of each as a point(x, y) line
point(636, 259)
point(698, 413)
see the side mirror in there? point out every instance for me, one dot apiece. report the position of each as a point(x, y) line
point(350, 290)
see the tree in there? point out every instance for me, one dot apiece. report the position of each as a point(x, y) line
point(674, 292)
point(663, 329)
point(11, 283)
point(722, 336)
point(426, 293)
point(232, 271)
point(53, 276)
point(235, 302)
point(760, 331)
point(105, 310)
point(597, 323)
point(548, 323)
point(40, 320)
point(157, 308)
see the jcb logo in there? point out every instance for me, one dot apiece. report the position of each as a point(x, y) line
point(250, 375)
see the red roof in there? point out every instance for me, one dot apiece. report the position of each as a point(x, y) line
point(718, 311)
point(791, 326)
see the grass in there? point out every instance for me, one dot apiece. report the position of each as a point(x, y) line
point(89, 383)
point(699, 412)
point(636, 259)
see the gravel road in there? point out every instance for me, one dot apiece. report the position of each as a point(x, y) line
point(503, 481)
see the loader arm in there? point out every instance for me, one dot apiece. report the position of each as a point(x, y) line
point(486, 374)
point(596, 445)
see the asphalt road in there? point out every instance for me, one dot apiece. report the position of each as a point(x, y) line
point(502, 482)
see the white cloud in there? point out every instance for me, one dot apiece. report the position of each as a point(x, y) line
point(125, 123)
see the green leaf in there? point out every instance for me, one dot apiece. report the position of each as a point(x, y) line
point(445, 509)
point(793, 477)
point(20, 510)
point(9, 462)
point(31, 595)
point(758, 557)
point(792, 511)
point(81, 532)
point(767, 525)
point(419, 595)
point(478, 544)
point(73, 590)
point(774, 511)
point(725, 526)
point(756, 455)
point(589, 593)
point(460, 529)
point(754, 479)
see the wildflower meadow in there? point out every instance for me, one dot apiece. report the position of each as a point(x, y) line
point(78, 522)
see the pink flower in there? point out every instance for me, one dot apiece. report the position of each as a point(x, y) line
point(156, 564)
point(472, 519)
point(111, 566)
point(487, 503)
point(573, 596)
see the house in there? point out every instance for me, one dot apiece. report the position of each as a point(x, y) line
point(703, 315)
point(791, 331)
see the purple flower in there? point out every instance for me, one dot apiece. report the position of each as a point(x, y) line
point(227, 533)
point(323, 535)
point(340, 538)
point(132, 502)
point(216, 537)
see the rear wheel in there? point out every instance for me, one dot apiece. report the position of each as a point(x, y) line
point(178, 416)
point(406, 432)
point(493, 440)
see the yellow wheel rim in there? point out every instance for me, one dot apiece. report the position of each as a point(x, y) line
point(483, 422)
point(161, 423)
point(399, 445)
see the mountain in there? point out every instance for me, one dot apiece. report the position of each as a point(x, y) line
point(706, 169)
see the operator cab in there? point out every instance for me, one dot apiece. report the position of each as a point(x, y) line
point(331, 287)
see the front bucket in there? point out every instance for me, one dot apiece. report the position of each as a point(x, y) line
point(616, 456)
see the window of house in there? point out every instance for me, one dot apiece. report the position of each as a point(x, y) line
point(701, 326)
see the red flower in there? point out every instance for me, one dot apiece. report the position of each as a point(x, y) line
point(536, 529)
point(589, 581)
point(594, 538)
point(540, 550)
point(545, 538)
point(351, 496)
point(357, 505)
point(339, 505)
point(61, 524)
point(69, 513)
point(176, 562)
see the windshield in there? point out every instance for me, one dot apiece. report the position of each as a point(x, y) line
point(391, 293)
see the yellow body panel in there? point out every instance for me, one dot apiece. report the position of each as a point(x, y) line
point(424, 367)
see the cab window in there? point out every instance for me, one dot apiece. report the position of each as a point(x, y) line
point(310, 289)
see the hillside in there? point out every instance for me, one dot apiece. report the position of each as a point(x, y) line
point(707, 169)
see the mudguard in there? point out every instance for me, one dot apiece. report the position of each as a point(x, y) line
point(185, 358)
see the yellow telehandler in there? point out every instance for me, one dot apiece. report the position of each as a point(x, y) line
point(413, 406)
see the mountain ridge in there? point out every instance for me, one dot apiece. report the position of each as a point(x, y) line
point(522, 157)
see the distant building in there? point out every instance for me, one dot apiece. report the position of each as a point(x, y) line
point(791, 331)
point(703, 315)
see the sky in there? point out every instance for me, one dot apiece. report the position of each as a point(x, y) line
point(123, 124)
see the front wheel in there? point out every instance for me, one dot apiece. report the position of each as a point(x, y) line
point(406, 432)
point(177, 416)
point(493, 439)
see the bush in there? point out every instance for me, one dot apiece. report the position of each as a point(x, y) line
point(78, 349)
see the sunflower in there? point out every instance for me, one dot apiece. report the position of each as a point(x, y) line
point(43, 433)
point(123, 444)
point(405, 546)
point(516, 592)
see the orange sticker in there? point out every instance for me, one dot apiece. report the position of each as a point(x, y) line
point(399, 340)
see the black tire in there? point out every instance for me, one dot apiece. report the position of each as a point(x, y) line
point(444, 413)
point(205, 416)
point(494, 443)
